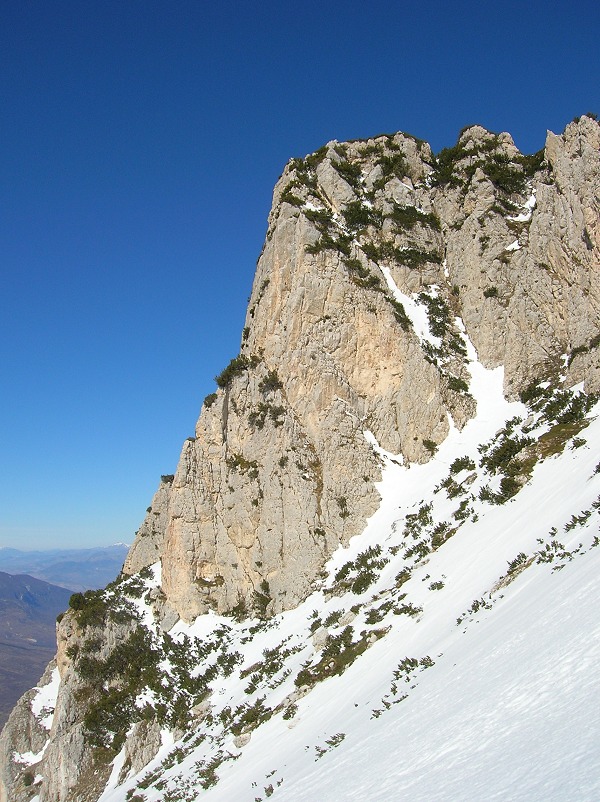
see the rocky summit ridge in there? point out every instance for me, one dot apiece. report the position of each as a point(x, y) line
point(387, 273)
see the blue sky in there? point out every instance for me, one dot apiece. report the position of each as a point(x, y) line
point(139, 145)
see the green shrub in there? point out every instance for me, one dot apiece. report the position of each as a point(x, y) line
point(357, 575)
point(532, 163)
point(248, 717)
point(343, 506)
point(210, 400)
point(358, 216)
point(290, 711)
point(578, 408)
point(438, 313)
point(349, 172)
point(270, 383)
point(440, 534)
point(402, 577)
point(406, 217)
point(413, 257)
point(462, 464)
point(463, 511)
point(262, 598)
point(583, 349)
point(509, 487)
point(339, 652)
point(504, 174)
point(107, 719)
point(405, 669)
point(313, 160)
point(394, 164)
point(236, 462)
point(322, 218)
point(371, 251)
point(457, 385)
point(533, 392)
point(400, 314)
point(508, 176)
point(361, 275)
point(91, 608)
point(499, 457)
point(363, 581)
point(515, 564)
point(408, 609)
point(341, 243)
point(333, 618)
point(236, 367)
point(445, 163)
point(287, 196)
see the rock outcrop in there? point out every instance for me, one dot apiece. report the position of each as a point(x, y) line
point(380, 258)
point(280, 472)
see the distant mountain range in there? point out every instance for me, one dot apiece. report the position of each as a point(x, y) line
point(28, 610)
point(75, 569)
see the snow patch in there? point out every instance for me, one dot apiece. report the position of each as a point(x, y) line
point(29, 758)
point(44, 702)
point(416, 312)
point(528, 208)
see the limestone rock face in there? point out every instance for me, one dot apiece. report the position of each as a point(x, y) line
point(149, 542)
point(280, 471)
point(22, 734)
point(529, 282)
point(380, 260)
point(70, 768)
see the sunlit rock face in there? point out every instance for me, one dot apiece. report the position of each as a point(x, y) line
point(373, 250)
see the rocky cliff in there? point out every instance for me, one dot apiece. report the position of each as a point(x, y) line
point(384, 265)
point(279, 472)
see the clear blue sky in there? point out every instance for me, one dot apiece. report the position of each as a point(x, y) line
point(139, 144)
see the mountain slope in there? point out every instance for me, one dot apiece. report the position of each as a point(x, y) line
point(457, 699)
point(367, 544)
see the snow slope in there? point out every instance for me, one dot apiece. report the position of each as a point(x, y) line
point(450, 654)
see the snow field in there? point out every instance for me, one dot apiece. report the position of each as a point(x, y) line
point(498, 706)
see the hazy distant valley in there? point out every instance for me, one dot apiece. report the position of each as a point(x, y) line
point(74, 569)
point(35, 586)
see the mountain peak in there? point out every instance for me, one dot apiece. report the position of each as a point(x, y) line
point(382, 467)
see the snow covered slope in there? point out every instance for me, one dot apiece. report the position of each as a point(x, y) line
point(450, 653)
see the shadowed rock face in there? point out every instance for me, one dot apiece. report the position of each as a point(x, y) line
point(280, 472)
point(380, 259)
